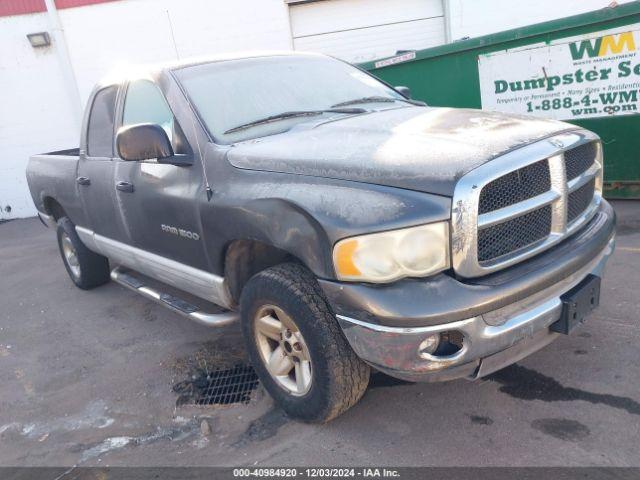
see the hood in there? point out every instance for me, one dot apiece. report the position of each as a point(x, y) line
point(416, 148)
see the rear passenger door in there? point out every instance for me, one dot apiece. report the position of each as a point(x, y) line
point(160, 208)
point(96, 167)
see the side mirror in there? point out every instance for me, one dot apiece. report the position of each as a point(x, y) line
point(143, 142)
point(404, 91)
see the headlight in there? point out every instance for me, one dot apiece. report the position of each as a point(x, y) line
point(388, 256)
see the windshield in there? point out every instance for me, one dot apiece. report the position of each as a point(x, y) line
point(232, 93)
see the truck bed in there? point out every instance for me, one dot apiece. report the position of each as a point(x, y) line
point(53, 176)
point(70, 152)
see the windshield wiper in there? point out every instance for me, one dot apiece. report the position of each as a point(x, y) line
point(378, 99)
point(293, 114)
point(374, 99)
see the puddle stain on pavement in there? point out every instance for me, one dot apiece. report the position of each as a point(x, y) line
point(263, 428)
point(562, 428)
point(526, 384)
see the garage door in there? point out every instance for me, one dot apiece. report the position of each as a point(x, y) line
point(362, 30)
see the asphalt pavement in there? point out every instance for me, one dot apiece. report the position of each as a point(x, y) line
point(103, 378)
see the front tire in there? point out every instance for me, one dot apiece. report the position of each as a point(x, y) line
point(297, 347)
point(85, 268)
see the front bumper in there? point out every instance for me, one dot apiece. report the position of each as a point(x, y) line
point(501, 330)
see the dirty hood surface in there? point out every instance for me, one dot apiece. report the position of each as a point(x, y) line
point(417, 148)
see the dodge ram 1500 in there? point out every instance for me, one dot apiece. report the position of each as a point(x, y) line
point(346, 226)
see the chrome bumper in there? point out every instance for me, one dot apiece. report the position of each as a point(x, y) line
point(490, 341)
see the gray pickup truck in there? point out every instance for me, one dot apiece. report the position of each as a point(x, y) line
point(346, 226)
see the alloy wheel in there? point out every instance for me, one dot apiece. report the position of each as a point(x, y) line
point(283, 350)
point(70, 255)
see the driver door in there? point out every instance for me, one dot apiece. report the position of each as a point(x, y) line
point(158, 202)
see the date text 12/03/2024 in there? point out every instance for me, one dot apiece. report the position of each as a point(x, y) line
point(292, 472)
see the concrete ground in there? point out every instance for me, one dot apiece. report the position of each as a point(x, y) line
point(86, 379)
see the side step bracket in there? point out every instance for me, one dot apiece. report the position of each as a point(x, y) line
point(219, 319)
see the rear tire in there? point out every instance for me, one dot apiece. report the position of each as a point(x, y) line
point(290, 330)
point(85, 268)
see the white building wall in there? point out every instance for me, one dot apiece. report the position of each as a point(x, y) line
point(474, 18)
point(35, 111)
point(36, 114)
point(113, 34)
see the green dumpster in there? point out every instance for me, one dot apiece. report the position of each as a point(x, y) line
point(583, 69)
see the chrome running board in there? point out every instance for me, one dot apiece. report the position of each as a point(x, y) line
point(127, 279)
point(184, 278)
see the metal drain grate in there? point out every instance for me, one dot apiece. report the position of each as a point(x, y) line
point(219, 387)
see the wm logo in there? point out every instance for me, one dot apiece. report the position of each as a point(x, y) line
point(599, 47)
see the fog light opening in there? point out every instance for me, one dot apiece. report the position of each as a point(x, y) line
point(429, 345)
point(451, 342)
point(444, 344)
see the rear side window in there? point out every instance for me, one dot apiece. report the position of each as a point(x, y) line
point(101, 118)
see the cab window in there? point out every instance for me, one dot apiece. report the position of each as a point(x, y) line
point(145, 103)
point(100, 127)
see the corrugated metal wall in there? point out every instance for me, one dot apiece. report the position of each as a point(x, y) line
point(78, 3)
point(362, 30)
point(22, 7)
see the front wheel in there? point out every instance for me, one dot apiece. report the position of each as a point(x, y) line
point(297, 347)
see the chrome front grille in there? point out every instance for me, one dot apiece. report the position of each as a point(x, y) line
point(516, 186)
point(512, 235)
point(579, 200)
point(524, 202)
point(579, 159)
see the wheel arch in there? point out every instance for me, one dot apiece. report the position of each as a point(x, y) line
point(268, 232)
point(52, 207)
point(244, 258)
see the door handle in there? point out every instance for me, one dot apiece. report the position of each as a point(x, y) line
point(125, 187)
point(83, 181)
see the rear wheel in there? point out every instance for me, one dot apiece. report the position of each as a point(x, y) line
point(85, 268)
point(297, 347)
